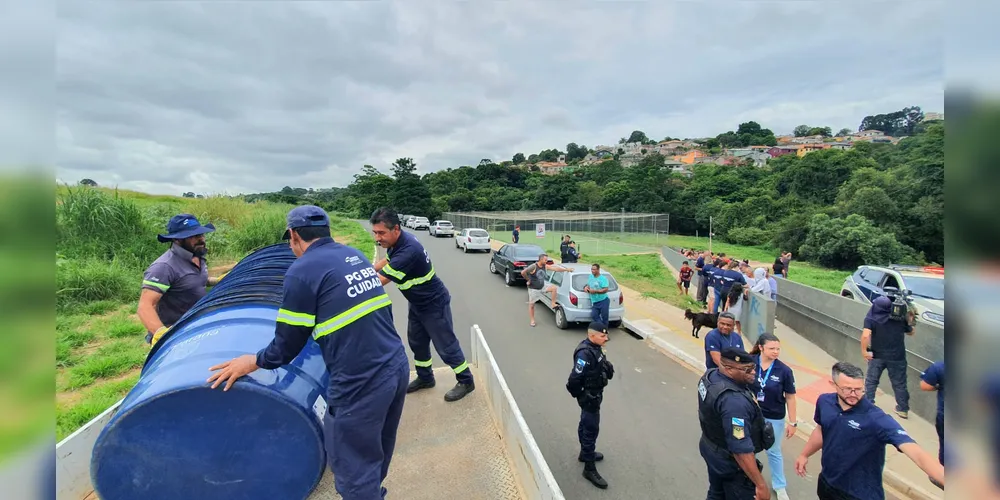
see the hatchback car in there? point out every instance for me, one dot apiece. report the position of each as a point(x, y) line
point(473, 239)
point(441, 228)
point(922, 286)
point(419, 223)
point(574, 303)
point(513, 258)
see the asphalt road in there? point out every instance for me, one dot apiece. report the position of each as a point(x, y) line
point(649, 425)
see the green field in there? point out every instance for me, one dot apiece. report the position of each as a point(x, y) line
point(105, 240)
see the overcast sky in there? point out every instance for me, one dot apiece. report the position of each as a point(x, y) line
point(231, 97)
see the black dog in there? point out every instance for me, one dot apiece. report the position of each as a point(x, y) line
point(699, 320)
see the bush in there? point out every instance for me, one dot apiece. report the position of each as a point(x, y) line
point(93, 223)
point(264, 228)
point(747, 236)
point(88, 280)
point(846, 243)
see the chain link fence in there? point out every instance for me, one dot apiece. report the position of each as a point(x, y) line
point(595, 233)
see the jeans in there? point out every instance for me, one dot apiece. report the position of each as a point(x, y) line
point(774, 458)
point(718, 300)
point(599, 311)
point(897, 376)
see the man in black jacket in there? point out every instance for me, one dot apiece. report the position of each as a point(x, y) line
point(591, 373)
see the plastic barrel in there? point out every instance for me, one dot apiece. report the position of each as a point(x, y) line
point(175, 437)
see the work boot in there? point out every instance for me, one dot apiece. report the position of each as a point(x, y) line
point(418, 384)
point(459, 391)
point(598, 456)
point(591, 474)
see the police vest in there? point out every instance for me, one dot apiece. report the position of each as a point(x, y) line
point(761, 432)
point(595, 379)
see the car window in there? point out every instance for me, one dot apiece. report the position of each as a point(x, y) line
point(529, 254)
point(556, 278)
point(580, 281)
point(930, 288)
point(478, 233)
point(444, 223)
point(873, 277)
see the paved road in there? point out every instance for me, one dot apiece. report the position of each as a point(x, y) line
point(649, 426)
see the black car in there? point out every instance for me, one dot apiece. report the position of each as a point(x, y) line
point(511, 259)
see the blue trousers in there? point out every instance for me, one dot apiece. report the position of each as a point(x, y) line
point(434, 323)
point(590, 426)
point(897, 377)
point(361, 436)
point(599, 311)
point(718, 300)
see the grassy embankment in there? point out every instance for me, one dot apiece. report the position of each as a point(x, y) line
point(105, 240)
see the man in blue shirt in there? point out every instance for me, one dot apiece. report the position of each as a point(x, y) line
point(597, 287)
point(409, 266)
point(932, 379)
point(719, 338)
point(853, 433)
point(332, 295)
point(727, 279)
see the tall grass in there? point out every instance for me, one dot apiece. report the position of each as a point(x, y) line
point(93, 223)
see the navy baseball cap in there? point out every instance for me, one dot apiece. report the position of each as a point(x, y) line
point(305, 216)
point(184, 226)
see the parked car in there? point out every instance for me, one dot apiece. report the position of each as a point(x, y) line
point(441, 228)
point(419, 223)
point(574, 303)
point(922, 286)
point(512, 258)
point(473, 239)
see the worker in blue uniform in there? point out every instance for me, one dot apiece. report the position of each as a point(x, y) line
point(591, 372)
point(409, 266)
point(333, 295)
point(733, 429)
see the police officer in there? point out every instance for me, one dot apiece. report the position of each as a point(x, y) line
point(333, 294)
point(430, 304)
point(591, 372)
point(733, 429)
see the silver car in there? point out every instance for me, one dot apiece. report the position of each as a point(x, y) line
point(441, 228)
point(574, 303)
point(923, 286)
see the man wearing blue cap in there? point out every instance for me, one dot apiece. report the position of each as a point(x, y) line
point(333, 295)
point(177, 279)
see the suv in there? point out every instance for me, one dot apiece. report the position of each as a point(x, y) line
point(441, 228)
point(923, 288)
point(418, 223)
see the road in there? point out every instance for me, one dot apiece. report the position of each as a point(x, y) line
point(649, 425)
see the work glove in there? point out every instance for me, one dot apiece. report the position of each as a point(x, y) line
point(158, 334)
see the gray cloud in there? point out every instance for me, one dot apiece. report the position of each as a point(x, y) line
point(251, 96)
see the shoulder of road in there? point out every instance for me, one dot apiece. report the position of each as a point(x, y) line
point(663, 326)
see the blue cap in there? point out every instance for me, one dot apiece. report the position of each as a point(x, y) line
point(184, 226)
point(305, 216)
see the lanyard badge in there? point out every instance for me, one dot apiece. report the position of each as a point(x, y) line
point(763, 380)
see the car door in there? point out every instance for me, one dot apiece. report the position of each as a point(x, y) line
point(460, 237)
point(870, 280)
point(501, 260)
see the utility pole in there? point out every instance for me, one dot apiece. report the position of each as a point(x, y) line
point(709, 234)
point(623, 220)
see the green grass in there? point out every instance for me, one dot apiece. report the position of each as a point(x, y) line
point(647, 275)
point(105, 240)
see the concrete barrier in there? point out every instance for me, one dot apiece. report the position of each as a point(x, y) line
point(526, 458)
point(834, 324)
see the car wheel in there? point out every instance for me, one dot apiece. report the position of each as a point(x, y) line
point(493, 267)
point(561, 322)
point(615, 324)
point(508, 278)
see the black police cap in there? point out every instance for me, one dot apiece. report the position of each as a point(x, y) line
point(736, 354)
point(597, 326)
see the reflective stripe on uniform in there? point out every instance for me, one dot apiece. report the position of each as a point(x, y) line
point(295, 318)
point(394, 273)
point(161, 286)
point(422, 364)
point(462, 367)
point(351, 315)
point(416, 281)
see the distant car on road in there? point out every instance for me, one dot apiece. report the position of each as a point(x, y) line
point(512, 258)
point(473, 239)
point(574, 303)
point(441, 228)
point(418, 223)
point(924, 286)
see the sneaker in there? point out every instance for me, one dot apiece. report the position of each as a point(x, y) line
point(902, 414)
point(781, 494)
point(459, 391)
point(418, 384)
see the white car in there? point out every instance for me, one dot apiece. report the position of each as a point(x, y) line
point(473, 239)
point(419, 223)
point(441, 228)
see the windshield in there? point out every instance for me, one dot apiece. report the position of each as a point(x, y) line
point(477, 233)
point(928, 288)
point(580, 281)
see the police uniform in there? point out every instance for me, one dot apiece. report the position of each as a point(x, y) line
point(410, 267)
point(333, 295)
point(591, 372)
point(731, 423)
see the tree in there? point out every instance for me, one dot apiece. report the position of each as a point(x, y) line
point(638, 136)
point(409, 192)
point(801, 130)
point(518, 159)
point(844, 132)
point(574, 152)
point(88, 182)
point(188, 194)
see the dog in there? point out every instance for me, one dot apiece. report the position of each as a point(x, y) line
point(699, 320)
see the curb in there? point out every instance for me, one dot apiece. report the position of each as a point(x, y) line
point(891, 479)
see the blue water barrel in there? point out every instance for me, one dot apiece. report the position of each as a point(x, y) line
point(174, 437)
